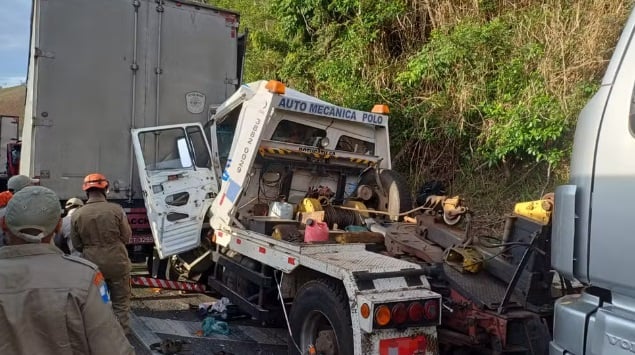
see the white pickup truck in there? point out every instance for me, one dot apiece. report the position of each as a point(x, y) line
point(329, 163)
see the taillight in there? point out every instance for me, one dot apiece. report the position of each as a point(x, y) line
point(432, 309)
point(399, 313)
point(405, 314)
point(365, 310)
point(382, 315)
point(416, 311)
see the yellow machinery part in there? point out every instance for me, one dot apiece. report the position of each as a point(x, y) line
point(464, 259)
point(309, 205)
point(286, 232)
point(537, 211)
point(358, 205)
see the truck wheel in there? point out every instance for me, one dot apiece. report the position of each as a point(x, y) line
point(399, 197)
point(320, 316)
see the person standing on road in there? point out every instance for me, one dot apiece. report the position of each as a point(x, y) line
point(50, 303)
point(14, 184)
point(62, 239)
point(100, 231)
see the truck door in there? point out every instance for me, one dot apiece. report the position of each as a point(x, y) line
point(178, 183)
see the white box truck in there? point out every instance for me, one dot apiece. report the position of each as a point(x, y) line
point(99, 68)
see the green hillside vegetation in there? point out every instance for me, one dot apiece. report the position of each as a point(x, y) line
point(483, 94)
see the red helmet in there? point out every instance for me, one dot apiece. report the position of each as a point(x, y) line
point(95, 180)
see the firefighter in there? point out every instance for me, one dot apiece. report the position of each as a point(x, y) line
point(100, 231)
point(50, 303)
point(62, 239)
point(14, 184)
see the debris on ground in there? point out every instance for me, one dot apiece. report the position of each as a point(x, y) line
point(222, 309)
point(220, 306)
point(169, 346)
point(213, 326)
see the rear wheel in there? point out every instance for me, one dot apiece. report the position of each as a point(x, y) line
point(320, 316)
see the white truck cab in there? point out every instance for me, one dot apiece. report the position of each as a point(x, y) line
point(287, 156)
point(591, 239)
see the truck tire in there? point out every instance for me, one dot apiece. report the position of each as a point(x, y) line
point(399, 195)
point(321, 305)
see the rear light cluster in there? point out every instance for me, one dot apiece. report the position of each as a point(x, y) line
point(403, 314)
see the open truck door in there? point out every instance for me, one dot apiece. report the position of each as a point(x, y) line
point(178, 183)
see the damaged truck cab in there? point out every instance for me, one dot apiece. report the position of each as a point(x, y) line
point(288, 184)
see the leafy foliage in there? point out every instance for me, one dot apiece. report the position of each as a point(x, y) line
point(470, 84)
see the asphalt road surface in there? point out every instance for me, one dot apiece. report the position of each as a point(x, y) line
point(164, 314)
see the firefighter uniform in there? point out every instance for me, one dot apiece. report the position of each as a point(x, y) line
point(100, 231)
point(50, 303)
point(55, 304)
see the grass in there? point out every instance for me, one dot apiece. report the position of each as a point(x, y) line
point(491, 196)
point(577, 38)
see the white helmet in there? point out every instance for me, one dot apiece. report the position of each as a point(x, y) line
point(73, 202)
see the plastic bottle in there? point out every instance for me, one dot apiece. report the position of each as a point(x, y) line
point(281, 209)
point(316, 231)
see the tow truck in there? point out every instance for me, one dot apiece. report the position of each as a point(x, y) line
point(267, 151)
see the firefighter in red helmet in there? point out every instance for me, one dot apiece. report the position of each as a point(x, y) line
point(100, 231)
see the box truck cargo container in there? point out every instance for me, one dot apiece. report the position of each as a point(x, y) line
point(99, 68)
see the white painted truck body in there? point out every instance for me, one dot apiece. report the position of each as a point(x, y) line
point(591, 239)
point(232, 194)
point(99, 68)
